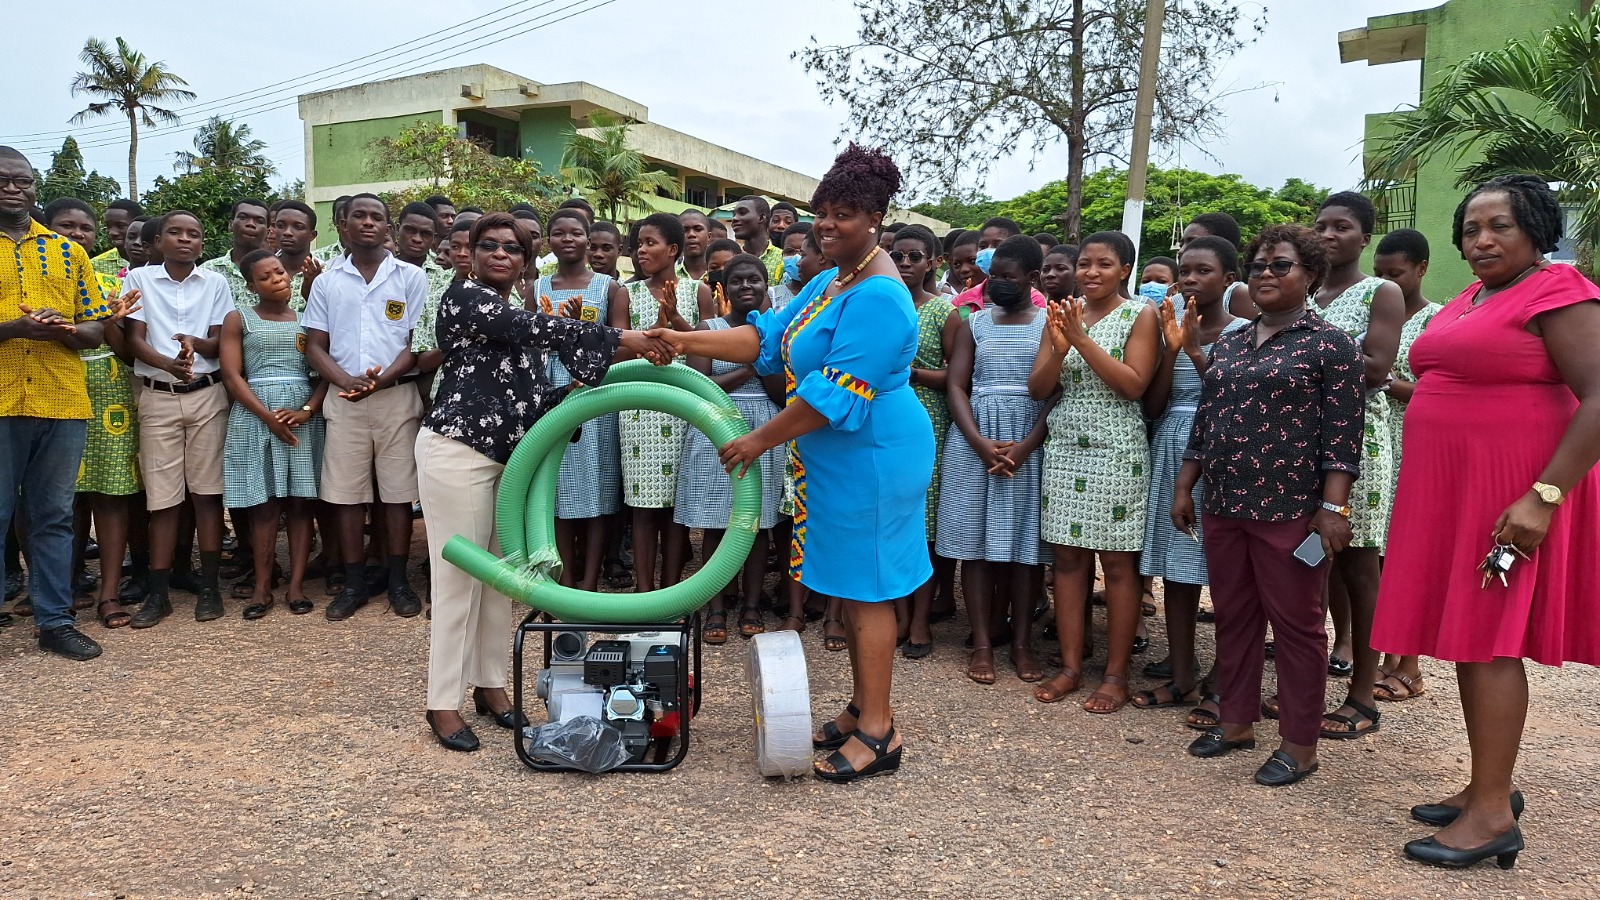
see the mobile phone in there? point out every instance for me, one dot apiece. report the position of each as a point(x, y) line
point(1310, 550)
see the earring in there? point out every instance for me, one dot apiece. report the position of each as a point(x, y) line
point(872, 231)
point(472, 275)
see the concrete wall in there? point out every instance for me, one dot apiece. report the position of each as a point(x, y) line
point(342, 149)
point(543, 133)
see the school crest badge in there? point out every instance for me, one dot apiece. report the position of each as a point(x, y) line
point(300, 343)
point(394, 310)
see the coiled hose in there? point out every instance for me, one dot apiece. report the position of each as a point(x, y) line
point(525, 509)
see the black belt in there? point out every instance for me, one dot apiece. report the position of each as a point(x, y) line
point(179, 387)
point(406, 379)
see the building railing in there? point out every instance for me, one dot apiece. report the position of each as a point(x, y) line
point(1396, 205)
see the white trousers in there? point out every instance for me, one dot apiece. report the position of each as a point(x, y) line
point(470, 636)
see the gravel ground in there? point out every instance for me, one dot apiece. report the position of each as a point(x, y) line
point(288, 758)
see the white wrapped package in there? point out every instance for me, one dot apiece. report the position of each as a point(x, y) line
point(781, 696)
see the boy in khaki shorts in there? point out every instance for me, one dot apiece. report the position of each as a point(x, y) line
point(358, 324)
point(183, 407)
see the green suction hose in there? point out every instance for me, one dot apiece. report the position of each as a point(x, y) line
point(525, 508)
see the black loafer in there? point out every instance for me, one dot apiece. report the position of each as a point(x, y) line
point(1504, 849)
point(511, 718)
point(345, 605)
point(151, 612)
point(1160, 669)
point(1212, 744)
point(68, 641)
point(404, 602)
point(208, 605)
point(1281, 770)
point(463, 741)
point(257, 610)
point(1438, 815)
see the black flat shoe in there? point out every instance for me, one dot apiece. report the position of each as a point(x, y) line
point(345, 605)
point(1158, 669)
point(1340, 668)
point(208, 605)
point(68, 641)
point(511, 718)
point(1212, 745)
point(1141, 644)
point(1281, 770)
point(301, 606)
point(257, 610)
point(463, 741)
point(1438, 815)
point(832, 737)
point(404, 602)
point(1504, 849)
point(153, 610)
point(884, 761)
point(914, 650)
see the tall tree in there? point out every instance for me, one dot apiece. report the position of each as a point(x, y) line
point(1532, 106)
point(125, 81)
point(607, 171)
point(210, 194)
point(221, 144)
point(68, 178)
point(949, 86)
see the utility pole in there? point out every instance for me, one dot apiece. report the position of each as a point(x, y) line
point(1155, 14)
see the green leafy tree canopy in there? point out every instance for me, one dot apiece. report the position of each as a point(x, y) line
point(210, 194)
point(221, 144)
point(951, 86)
point(608, 172)
point(443, 162)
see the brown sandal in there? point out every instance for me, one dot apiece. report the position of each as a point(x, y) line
point(1116, 704)
point(1387, 693)
point(1047, 693)
point(716, 628)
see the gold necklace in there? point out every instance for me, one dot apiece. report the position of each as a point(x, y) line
point(841, 283)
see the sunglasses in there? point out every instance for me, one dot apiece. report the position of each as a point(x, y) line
point(915, 256)
point(492, 246)
point(1278, 267)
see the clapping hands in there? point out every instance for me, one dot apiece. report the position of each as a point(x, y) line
point(362, 386)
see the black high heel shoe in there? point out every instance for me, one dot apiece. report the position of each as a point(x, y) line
point(1438, 815)
point(463, 741)
point(511, 718)
point(884, 760)
point(832, 737)
point(1504, 849)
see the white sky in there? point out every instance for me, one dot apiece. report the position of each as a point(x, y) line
point(695, 77)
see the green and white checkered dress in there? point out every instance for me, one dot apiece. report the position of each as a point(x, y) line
point(1097, 457)
point(256, 465)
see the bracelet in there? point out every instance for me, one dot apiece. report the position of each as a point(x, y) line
point(1341, 510)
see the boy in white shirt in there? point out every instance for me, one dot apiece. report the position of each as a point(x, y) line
point(183, 407)
point(358, 324)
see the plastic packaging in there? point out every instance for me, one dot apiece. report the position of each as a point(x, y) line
point(525, 507)
point(584, 743)
point(780, 693)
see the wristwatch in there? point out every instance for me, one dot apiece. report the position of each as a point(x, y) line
point(1549, 493)
point(1341, 510)
point(306, 408)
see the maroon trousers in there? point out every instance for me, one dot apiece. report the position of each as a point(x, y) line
point(1255, 579)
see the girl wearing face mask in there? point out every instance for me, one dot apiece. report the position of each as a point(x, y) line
point(790, 284)
point(1100, 351)
point(990, 484)
point(705, 496)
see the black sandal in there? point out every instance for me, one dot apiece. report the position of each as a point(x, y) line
point(884, 761)
point(1215, 717)
point(751, 622)
point(112, 620)
point(716, 628)
point(1363, 713)
point(832, 737)
point(1150, 700)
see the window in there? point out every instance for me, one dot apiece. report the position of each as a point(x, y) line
point(1396, 205)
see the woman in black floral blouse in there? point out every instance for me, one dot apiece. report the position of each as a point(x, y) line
point(1278, 438)
point(492, 389)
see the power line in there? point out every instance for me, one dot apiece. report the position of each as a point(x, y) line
point(388, 67)
point(232, 100)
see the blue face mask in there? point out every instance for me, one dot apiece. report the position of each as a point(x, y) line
point(1154, 291)
point(985, 257)
point(791, 268)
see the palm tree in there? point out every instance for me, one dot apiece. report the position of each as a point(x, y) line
point(1532, 106)
point(124, 80)
point(221, 144)
point(608, 172)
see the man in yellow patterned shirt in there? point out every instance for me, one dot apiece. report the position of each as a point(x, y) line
point(49, 299)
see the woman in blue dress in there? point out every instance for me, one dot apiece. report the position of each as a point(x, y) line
point(863, 445)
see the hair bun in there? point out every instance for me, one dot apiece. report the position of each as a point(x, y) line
point(866, 178)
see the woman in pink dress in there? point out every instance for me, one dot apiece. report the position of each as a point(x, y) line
point(1501, 440)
